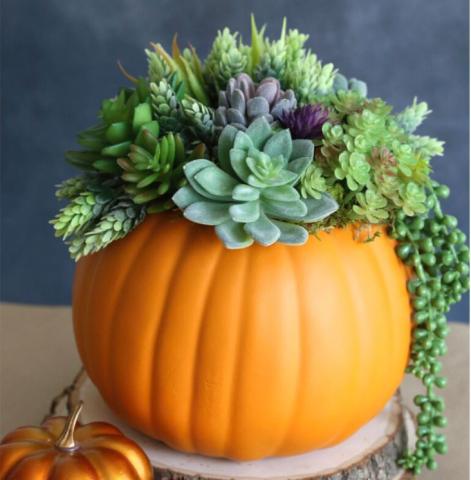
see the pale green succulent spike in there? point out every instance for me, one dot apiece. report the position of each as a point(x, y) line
point(257, 42)
point(413, 116)
point(283, 30)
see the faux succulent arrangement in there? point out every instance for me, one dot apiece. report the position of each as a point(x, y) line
point(267, 144)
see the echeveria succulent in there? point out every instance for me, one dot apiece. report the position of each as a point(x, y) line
point(243, 101)
point(251, 194)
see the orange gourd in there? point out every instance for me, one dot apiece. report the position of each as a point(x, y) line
point(243, 353)
point(61, 449)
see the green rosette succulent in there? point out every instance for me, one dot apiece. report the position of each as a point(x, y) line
point(153, 168)
point(251, 195)
point(122, 120)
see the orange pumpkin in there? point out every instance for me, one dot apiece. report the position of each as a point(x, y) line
point(243, 353)
point(59, 451)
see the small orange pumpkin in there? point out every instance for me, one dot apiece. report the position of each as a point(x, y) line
point(243, 353)
point(58, 450)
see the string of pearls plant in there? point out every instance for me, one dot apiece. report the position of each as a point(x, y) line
point(434, 247)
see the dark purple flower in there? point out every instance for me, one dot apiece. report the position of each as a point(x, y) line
point(305, 122)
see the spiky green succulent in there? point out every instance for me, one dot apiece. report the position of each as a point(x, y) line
point(166, 106)
point(85, 208)
point(413, 116)
point(225, 60)
point(152, 168)
point(76, 216)
point(198, 118)
point(309, 78)
point(273, 60)
point(251, 195)
point(119, 219)
point(182, 70)
point(71, 187)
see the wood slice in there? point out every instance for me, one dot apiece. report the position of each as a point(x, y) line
point(370, 454)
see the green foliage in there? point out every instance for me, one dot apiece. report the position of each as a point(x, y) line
point(286, 59)
point(370, 152)
point(182, 70)
point(272, 63)
point(251, 195)
point(354, 168)
point(342, 84)
point(296, 68)
point(71, 187)
point(371, 205)
point(436, 250)
point(122, 119)
point(153, 168)
point(313, 184)
point(76, 216)
point(158, 69)
point(166, 106)
point(309, 78)
point(225, 60)
point(413, 116)
point(199, 118)
point(426, 146)
point(119, 218)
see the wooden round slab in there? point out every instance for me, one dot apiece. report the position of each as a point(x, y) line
point(370, 454)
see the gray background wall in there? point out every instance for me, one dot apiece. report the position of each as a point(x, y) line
point(58, 63)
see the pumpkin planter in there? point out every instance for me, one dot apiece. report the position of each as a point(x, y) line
point(243, 353)
point(275, 331)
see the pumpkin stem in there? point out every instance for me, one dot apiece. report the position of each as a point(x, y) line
point(66, 439)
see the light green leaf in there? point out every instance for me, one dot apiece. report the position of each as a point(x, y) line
point(245, 212)
point(207, 213)
point(216, 181)
point(299, 165)
point(283, 178)
point(263, 231)
point(238, 164)
point(186, 196)
point(225, 143)
point(259, 131)
point(243, 142)
point(318, 209)
point(286, 210)
point(284, 193)
point(245, 193)
point(279, 144)
point(302, 148)
point(194, 167)
point(291, 234)
point(233, 235)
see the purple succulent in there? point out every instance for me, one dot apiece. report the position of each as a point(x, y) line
point(306, 121)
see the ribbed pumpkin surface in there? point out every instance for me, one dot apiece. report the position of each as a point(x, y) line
point(242, 353)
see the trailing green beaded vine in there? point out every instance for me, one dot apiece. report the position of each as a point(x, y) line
point(436, 250)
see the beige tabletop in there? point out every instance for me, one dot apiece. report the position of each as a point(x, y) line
point(38, 358)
